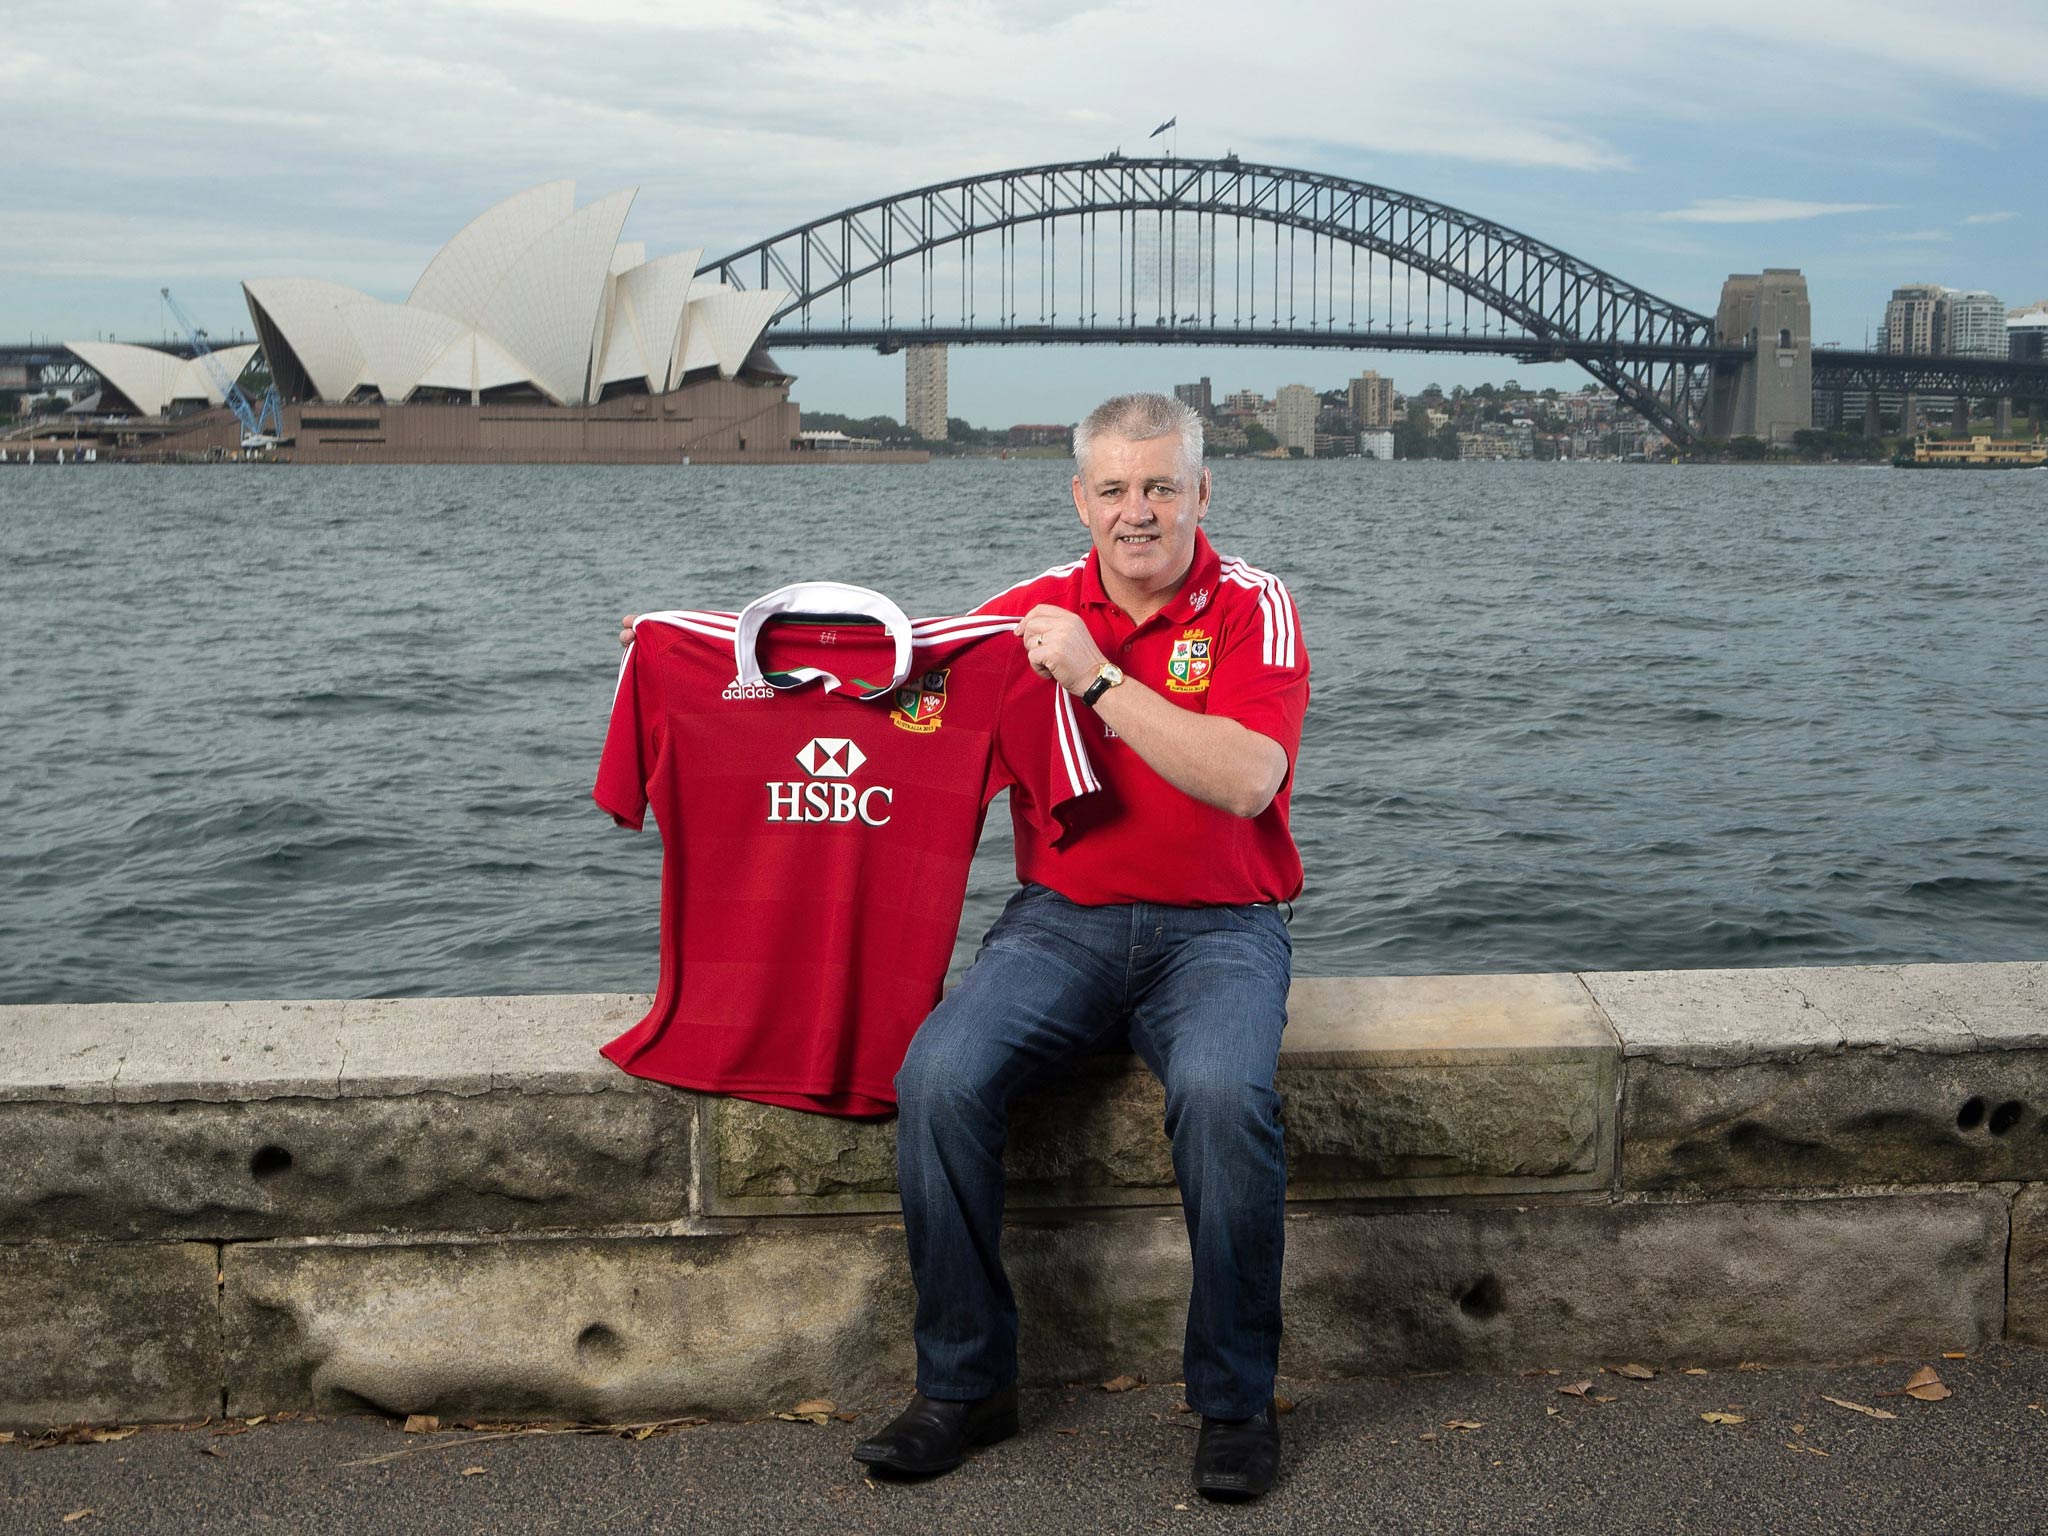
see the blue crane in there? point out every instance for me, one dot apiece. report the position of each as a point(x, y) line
point(253, 419)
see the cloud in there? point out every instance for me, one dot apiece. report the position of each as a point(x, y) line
point(1991, 218)
point(1758, 210)
point(1904, 237)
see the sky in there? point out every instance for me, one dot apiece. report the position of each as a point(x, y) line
point(1866, 143)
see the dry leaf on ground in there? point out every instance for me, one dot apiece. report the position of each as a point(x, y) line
point(421, 1423)
point(1926, 1386)
point(844, 1417)
point(1632, 1371)
point(1812, 1450)
point(1066, 1431)
point(472, 1471)
point(77, 1514)
point(1576, 1388)
point(1843, 1402)
point(106, 1436)
point(1955, 1354)
point(1427, 1434)
point(1751, 1365)
point(1548, 1372)
point(1724, 1418)
point(1464, 1424)
point(1550, 1408)
point(801, 1417)
point(1595, 1397)
point(211, 1450)
point(229, 1429)
point(1122, 1384)
point(1283, 1405)
point(1693, 1370)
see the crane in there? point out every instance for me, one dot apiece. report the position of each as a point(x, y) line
point(254, 419)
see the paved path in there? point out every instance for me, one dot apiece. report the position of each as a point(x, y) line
point(1361, 1456)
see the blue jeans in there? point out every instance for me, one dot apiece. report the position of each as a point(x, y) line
point(1204, 993)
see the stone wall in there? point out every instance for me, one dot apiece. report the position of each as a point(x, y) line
point(455, 1206)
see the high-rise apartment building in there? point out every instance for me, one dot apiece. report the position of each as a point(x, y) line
point(924, 392)
point(1974, 325)
point(1294, 417)
point(1371, 399)
point(1198, 397)
point(1913, 318)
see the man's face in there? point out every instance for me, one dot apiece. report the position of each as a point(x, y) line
point(1141, 507)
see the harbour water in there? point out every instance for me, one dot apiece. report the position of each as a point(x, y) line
point(330, 732)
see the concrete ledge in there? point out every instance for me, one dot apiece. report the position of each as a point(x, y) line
point(456, 1205)
point(1831, 1077)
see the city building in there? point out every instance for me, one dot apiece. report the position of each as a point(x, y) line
point(1371, 399)
point(1912, 320)
point(1974, 325)
point(1039, 435)
point(1196, 397)
point(924, 392)
point(1376, 445)
point(2026, 333)
point(1246, 402)
point(1294, 417)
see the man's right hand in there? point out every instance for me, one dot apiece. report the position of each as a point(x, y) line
point(626, 630)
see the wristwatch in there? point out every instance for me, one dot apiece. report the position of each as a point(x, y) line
point(1106, 677)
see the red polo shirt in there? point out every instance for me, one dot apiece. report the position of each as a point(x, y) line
point(1229, 643)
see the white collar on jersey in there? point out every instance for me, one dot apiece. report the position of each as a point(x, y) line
point(819, 597)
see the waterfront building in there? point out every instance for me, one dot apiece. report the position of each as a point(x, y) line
point(924, 392)
point(1294, 417)
point(2026, 333)
point(1246, 402)
point(1196, 397)
point(1974, 325)
point(1039, 435)
point(145, 381)
point(1912, 319)
point(1371, 399)
point(1376, 445)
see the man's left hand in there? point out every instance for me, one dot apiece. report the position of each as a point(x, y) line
point(1060, 647)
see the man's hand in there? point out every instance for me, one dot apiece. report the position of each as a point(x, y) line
point(1060, 647)
point(626, 630)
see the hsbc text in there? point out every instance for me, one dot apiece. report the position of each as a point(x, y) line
point(836, 801)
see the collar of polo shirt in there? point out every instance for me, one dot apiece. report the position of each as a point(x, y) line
point(818, 597)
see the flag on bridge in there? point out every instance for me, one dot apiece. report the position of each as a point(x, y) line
point(1163, 127)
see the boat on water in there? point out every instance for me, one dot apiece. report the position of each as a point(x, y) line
point(1974, 453)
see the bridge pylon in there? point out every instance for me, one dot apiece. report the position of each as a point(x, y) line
point(1769, 394)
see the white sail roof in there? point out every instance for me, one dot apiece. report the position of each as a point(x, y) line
point(306, 311)
point(642, 320)
point(546, 309)
point(465, 272)
point(721, 325)
point(399, 343)
point(151, 379)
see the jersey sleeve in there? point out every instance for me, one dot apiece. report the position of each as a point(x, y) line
point(623, 769)
point(1041, 750)
point(1260, 676)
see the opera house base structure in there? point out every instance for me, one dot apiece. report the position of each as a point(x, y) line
point(715, 421)
point(535, 336)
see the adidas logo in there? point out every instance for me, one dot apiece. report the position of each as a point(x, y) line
point(738, 690)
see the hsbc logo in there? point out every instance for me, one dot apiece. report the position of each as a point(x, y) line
point(830, 757)
point(829, 794)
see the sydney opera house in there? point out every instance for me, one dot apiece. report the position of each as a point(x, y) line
point(535, 335)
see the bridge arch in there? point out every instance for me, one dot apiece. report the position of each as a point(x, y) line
point(1562, 307)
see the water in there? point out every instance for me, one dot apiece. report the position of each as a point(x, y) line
point(330, 732)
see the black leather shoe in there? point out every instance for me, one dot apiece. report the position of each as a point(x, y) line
point(931, 1435)
point(1238, 1458)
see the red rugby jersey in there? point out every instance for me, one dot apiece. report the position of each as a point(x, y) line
point(1228, 644)
point(819, 767)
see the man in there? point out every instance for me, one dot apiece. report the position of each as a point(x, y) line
point(1159, 910)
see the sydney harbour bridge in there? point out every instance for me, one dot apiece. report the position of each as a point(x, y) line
point(1221, 252)
point(1143, 250)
